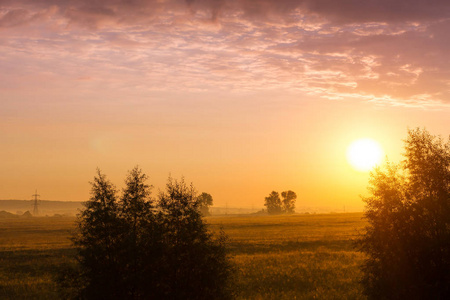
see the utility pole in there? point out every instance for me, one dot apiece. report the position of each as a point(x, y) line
point(35, 209)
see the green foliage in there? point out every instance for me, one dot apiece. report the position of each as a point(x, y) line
point(133, 248)
point(407, 240)
point(205, 200)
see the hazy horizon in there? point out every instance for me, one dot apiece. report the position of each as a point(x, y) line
point(239, 97)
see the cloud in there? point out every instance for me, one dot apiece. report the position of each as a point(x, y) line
point(340, 11)
point(379, 50)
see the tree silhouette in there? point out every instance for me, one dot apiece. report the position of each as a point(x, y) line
point(139, 224)
point(407, 241)
point(99, 243)
point(277, 206)
point(141, 248)
point(273, 203)
point(196, 264)
point(288, 201)
point(205, 200)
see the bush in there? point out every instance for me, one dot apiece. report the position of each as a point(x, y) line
point(136, 247)
point(407, 241)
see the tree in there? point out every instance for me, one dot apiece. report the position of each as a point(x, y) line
point(288, 201)
point(407, 241)
point(277, 206)
point(196, 263)
point(273, 203)
point(99, 244)
point(139, 248)
point(140, 229)
point(205, 200)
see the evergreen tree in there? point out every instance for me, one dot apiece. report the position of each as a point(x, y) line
point(138, 249)
point(100, 244)
point(137, 214)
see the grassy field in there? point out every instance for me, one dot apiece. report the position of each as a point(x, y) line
point(276, 257)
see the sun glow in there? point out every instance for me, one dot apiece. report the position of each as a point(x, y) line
point(364, 154)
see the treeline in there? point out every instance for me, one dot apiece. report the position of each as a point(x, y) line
point(134, 246)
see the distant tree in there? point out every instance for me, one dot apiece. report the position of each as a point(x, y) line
point(273, 203)
point(205, 200)
point(407, 241)
point(139, 248)
point(288, 202)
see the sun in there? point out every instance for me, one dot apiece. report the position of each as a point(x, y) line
point(364, 154)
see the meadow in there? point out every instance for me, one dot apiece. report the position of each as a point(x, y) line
point(275, 257)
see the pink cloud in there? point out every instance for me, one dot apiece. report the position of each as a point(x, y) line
point(380, 50)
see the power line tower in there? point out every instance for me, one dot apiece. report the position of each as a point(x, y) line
point(36, 203)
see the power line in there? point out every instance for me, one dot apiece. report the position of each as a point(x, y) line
point(36, 203)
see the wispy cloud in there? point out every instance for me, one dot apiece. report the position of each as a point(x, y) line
point(390, 52)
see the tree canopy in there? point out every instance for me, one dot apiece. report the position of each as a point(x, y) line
point(205, 200)
point(273, 203)
point(407, 241)
point(138, 247)
point(288, 201)
point(277, 206)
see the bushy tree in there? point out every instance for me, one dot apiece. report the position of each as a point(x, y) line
point(273, 203)
point(196, 263)
point(407, 241)
point(140, 248)
point(277, 206)
point(288, 201)
point(205, 200)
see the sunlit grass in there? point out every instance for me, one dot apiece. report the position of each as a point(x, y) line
point(276, 257)
point(295, 257)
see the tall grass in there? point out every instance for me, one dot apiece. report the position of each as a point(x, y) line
point(276, 257)
point(295, 257)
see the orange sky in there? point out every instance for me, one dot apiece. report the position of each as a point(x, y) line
point(240, 97)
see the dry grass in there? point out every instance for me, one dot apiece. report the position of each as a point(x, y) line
point(295, 257)
point(276, 257)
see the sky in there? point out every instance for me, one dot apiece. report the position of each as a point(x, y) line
point(241, 97)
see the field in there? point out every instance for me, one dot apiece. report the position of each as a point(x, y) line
point(276, 257)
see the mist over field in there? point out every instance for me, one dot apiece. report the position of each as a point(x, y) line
point(224, 149)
